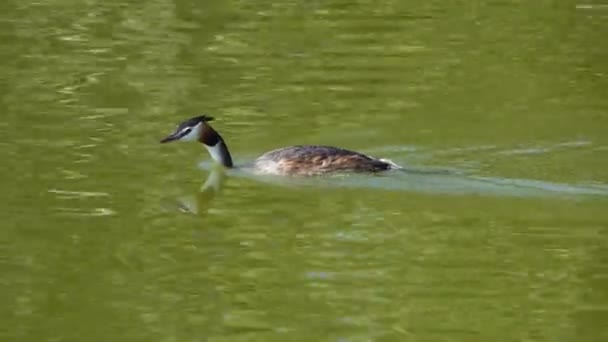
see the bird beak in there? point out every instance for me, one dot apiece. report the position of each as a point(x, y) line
point(172, 137)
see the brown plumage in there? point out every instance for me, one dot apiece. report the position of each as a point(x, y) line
point(209, 136)
point(315, 160)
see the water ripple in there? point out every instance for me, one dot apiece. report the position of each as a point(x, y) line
point(67, 194)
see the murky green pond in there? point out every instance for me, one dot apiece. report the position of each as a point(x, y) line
point(108, 235)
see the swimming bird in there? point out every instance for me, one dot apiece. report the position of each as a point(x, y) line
point(301, 160)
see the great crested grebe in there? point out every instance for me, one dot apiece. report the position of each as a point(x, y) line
point(299, 160)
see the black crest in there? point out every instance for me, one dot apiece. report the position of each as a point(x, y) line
point(196, 120)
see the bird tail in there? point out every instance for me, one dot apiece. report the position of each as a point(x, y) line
point(391, 164)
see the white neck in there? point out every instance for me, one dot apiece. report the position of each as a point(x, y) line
point(220, 154)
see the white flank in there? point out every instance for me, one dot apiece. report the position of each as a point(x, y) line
point(391, 163)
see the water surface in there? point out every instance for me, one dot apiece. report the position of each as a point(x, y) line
point(109, 235)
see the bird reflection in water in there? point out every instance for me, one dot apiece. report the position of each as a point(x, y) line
point(198, 203)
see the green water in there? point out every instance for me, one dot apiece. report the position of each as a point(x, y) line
point(108, 235)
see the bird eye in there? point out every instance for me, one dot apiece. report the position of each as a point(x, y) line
point(186, 131)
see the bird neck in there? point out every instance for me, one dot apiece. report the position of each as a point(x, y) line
point(216, 146)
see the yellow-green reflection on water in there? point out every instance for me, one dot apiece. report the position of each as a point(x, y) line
point(109, 236)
